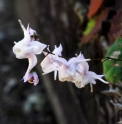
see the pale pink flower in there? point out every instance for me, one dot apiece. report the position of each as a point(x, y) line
point(81, 80)
point(84, 76)
point(32, 32)
point(31, 78)
point(49, 64)
point(27, 48)
point(67, 69)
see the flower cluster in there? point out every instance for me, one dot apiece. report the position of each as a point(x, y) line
point(75, 70)
point(29, 47)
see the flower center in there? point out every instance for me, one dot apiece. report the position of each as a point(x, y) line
point(18, 50)
point(31, 80)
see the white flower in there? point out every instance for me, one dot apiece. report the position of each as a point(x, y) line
point(67, 69)
point(49, 64)
point(31, 78)
point(84, 76)
point(81, 80)
point(63, 73)
point(57, 51)
point(27, 48)
point(32, 32)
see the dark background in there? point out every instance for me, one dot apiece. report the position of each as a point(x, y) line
point(51, 102)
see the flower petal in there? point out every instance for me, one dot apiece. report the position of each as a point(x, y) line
point(38, 47)
point(32, 32)
point(26, 39)
point(32, 62)
point(79, 84)
point(63, 74)
point(31, 78)
point(27, 77)
point(36, 79)
point(55, 74)
point(95, 76)
point(28, 49)
point(60, 60)
point(57, 51)
point(47, 63)
point(51, 70)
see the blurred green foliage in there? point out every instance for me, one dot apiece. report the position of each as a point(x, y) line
point(89, 27)
point(112, 66)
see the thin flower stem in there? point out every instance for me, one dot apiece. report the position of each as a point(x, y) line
point(105, 58)
point(96, 59)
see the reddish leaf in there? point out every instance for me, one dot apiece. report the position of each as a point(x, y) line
point(94, 6)
point(99, 19)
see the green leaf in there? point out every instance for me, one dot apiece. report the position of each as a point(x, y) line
point(89, 27)
point(112, 68)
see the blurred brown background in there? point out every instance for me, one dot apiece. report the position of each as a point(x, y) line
point(53, 102)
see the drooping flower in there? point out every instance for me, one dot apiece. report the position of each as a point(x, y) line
point(81, 80)
point(75, 70)
point(49, 64)
point(67, 69)
point(27, 48)
point(84, 76)
point(31, 78)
